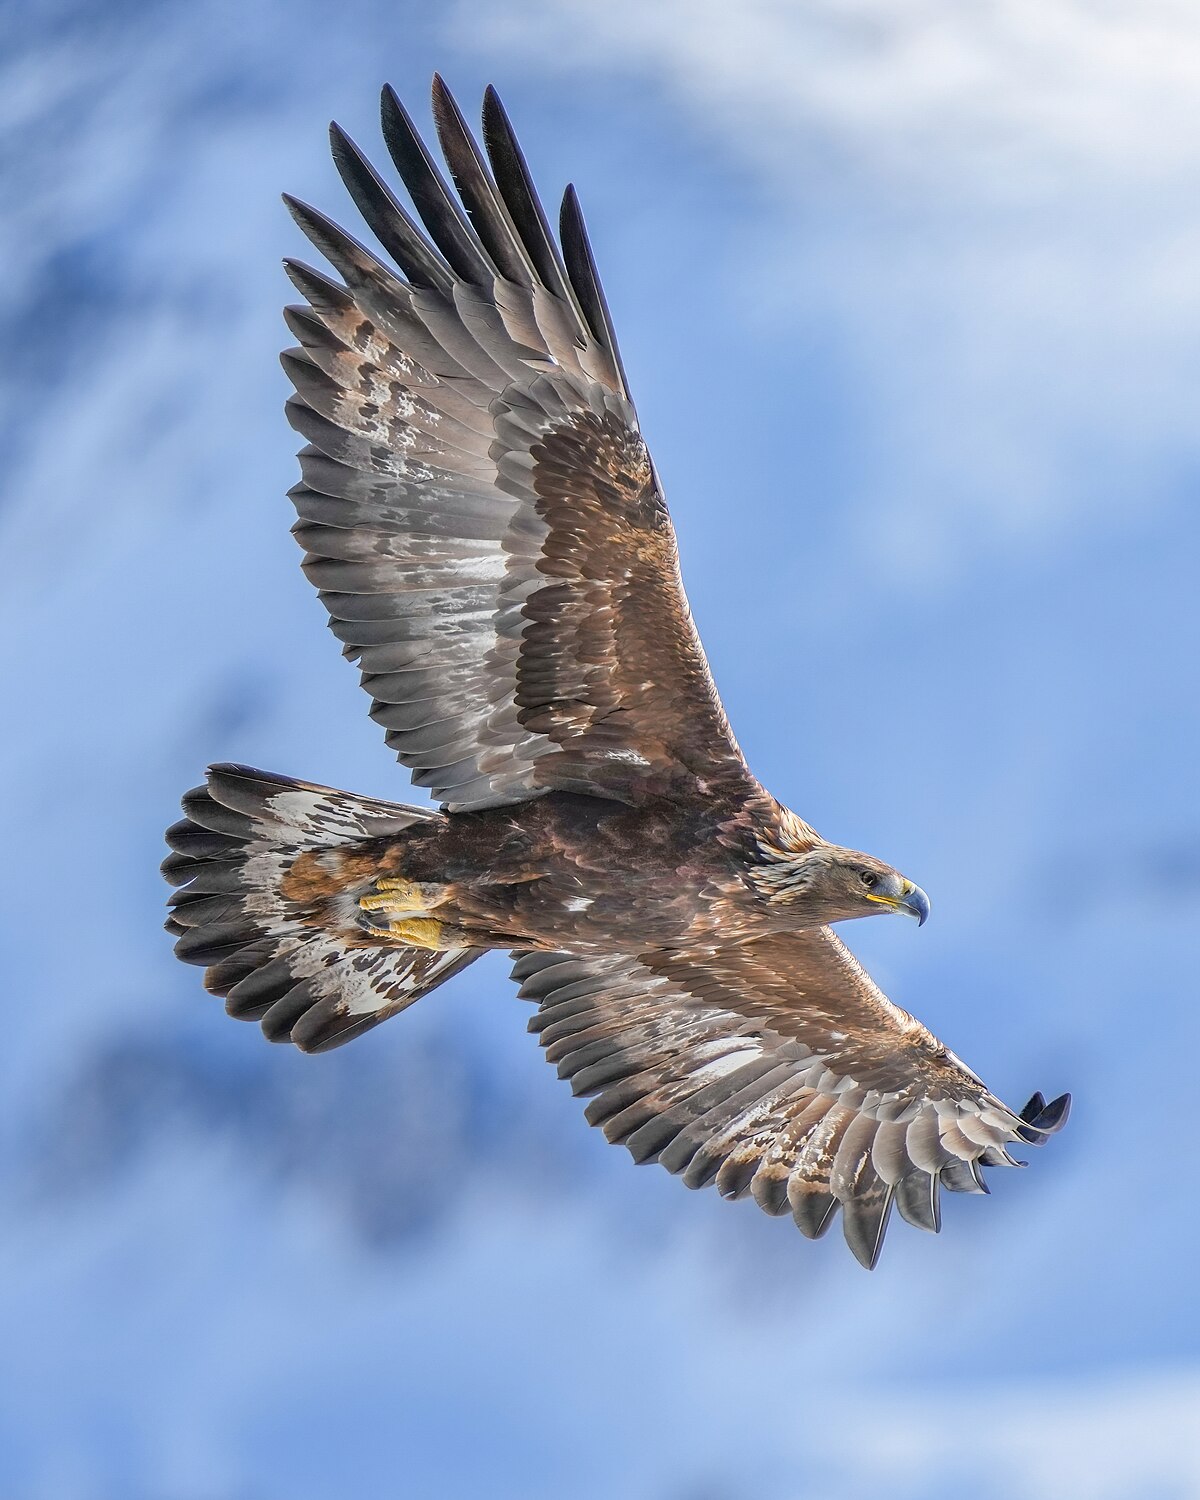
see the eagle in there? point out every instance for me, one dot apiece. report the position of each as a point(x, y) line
point(488, 533)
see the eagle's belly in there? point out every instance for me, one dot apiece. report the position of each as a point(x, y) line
point(578, 873)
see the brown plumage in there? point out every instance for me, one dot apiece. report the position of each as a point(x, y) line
point(490, 538)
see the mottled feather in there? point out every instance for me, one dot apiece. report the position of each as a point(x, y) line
point(773, 1068)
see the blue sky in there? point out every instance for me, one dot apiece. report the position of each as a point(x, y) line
point(908, 301)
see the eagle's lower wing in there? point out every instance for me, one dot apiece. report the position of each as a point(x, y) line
point(478, 508)
point(776, 1068)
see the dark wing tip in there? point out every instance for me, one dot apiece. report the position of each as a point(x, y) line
point(516, 188)
point(340, 141)
point(585, 280)
point(494, 118)
point(864, 1224)
point(813, 1211)
point(918, 1199)
point(1059, 1110)
point(440, 211)
point(385, 217)
point(1042, 1119)
point(445, 106)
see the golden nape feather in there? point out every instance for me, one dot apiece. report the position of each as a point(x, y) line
point(490, 538)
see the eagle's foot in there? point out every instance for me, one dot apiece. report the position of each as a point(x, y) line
point(398, 897)
point(419, 932)
point(400, 908)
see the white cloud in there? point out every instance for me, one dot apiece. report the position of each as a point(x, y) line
point(1110, 1440)
point(996, 203)
point(926, 92)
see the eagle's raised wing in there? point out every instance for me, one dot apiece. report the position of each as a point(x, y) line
point(777, 1068)
point(478, 508)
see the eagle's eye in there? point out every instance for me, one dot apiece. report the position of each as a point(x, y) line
point(868, 878)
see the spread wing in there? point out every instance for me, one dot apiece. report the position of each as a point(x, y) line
point(478, 508)
point(776, 1068)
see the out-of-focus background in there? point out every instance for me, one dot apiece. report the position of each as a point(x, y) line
point(910, 301)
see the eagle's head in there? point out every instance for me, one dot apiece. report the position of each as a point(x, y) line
point(826, 883)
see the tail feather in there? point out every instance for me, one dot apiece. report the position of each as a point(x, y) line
point(291, 956)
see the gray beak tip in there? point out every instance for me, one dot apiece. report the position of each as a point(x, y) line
point(917, 903)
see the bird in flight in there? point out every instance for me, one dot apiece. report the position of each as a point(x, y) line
point(488, 532)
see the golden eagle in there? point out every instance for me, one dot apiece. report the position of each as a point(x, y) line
point(489, 535)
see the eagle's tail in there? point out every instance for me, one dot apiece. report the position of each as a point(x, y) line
point(267, 869)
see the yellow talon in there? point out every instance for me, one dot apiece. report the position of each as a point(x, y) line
point(399, 896)
point(381, 903)
point(420, 933)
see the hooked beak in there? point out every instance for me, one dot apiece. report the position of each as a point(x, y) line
point(911, 902)
point(914, 902)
